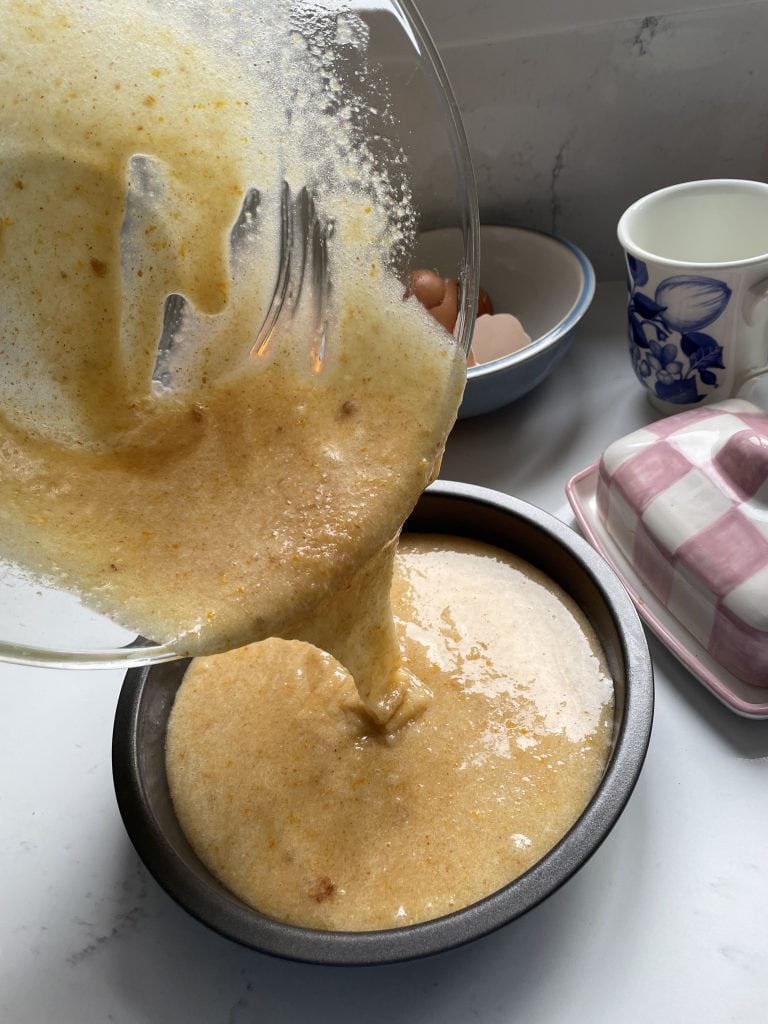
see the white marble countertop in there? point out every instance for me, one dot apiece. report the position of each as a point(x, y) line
point(667, 922)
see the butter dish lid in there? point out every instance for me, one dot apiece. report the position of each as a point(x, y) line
point(680, 508)
point(686, 499)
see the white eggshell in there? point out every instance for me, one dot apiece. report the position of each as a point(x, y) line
point(496, 336)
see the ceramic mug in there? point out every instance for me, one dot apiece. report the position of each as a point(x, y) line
point(697, 262)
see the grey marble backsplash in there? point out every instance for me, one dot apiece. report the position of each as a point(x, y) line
point(574, 111)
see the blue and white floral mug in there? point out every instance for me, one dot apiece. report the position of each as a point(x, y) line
point(697, 263)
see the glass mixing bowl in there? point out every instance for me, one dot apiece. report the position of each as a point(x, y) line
point(384, 78)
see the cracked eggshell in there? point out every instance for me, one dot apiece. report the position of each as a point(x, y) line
point(496, 336)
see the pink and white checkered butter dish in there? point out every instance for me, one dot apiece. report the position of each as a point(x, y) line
point(681, 509)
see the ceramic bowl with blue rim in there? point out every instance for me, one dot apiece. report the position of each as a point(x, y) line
point(544, 281)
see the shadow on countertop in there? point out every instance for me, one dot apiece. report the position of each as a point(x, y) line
point(149, 962)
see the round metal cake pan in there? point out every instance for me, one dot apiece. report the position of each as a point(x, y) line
point(146, 699)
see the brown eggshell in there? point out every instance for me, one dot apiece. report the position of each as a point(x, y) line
point(448, 310)
point(484, 304)
point(438, 295)
point(427, 286)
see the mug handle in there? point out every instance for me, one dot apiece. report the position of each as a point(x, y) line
point(755, 312)
point(756, 302)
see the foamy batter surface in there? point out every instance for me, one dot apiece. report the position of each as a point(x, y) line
point(307, 811)
point(216, 493)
